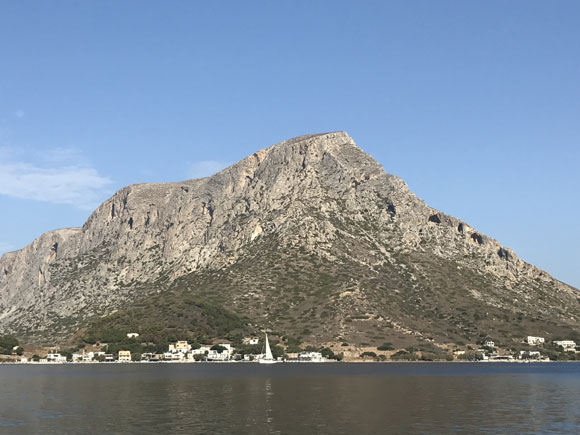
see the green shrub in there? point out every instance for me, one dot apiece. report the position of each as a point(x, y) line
point(369, 354)
point(436, 356)
point(471, 356)
point(7, 343)
point(403, 355)
point(327, 353)
point(293, 345)
point(277, 351)
point(386, 346)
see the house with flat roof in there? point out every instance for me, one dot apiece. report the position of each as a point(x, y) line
point(228, 347)
point(173, 356)
point(180, 346)
point(251, 340)
point(532, 354)
point(566, 344)
point(534, 341)
point(124, 356)
point(77, 357)
point(214, 355)
point(55, 357)
point(201, 350)
point(489, 343)
point(311, 357)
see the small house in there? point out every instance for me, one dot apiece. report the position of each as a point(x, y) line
point(251, 340)
point(180, 346)
point(534, 341)
point(124, 356)
point(566, 344)
point(56, 358)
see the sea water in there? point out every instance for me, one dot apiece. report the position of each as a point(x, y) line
point(248, 398)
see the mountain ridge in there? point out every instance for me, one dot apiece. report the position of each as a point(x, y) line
point(316, 194)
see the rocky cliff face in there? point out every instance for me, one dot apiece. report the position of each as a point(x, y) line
point(309, 236)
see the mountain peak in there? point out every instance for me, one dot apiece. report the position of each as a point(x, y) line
point(321, 142)
point(311, 227)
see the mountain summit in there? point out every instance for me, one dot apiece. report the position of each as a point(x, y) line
point(309, 237)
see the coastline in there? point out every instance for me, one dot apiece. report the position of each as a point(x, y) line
point(116, 363)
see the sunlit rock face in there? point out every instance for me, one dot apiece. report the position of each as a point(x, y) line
point(313, 197)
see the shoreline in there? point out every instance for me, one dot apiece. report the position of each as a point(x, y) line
point(279, 362)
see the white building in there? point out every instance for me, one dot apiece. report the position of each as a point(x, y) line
point(201, 350)
point(311, 357)
point(173, 356)
point(132, 335)
point(147, 356)
point(534, 341)
point(214, 355)
point(484, 356)
point(566, 344)
point(55, 357)
point(534, 354)
point(85, 356)
point(90, 356)
point(489, 343)
point(251, 340)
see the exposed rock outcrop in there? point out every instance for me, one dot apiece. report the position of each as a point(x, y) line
point(316, 196)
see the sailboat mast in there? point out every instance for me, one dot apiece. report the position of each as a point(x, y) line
point(268, 350)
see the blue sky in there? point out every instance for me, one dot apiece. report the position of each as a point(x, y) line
point(476, 105)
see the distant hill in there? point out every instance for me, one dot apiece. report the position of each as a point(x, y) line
point(309, 238)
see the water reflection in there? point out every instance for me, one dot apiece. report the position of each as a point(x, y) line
point(299, 398)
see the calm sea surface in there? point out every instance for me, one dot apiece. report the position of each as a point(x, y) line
point(290, 398)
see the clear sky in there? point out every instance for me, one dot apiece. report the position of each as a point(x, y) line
point(475, 104)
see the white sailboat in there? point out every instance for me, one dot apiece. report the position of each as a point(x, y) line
point(269, 358)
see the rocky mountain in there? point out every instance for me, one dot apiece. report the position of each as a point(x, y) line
point(310, 237)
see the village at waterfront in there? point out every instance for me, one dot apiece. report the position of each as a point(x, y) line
point(253, 350)
point(177, 352)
